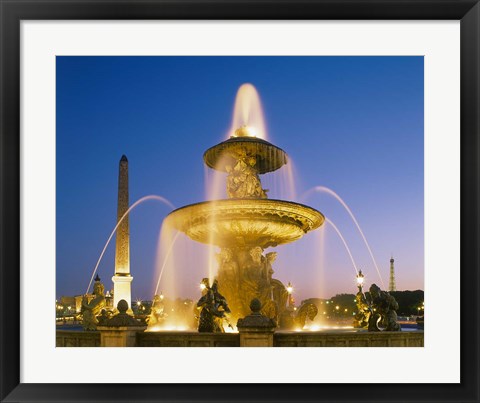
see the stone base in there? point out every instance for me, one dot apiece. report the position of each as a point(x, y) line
point(252, 338)
point(125, 336)
point(129, 337)
point(256, 330)
point(122, 290)
point(358, 338)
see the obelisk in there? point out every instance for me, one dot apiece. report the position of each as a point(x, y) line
point(122, 279)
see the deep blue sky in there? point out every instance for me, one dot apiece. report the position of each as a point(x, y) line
point(353, 124)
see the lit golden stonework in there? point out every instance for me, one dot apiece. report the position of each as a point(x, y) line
point(240, 222)
point(246, 223)
point(268, 157)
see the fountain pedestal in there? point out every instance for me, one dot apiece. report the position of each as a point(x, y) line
point(122, 336)
point(256, 330)
point(121, 330)
point(246, 223)
point(122, 290)
point(244, 274)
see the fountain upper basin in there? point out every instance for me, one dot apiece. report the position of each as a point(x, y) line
point(244, 222)
point(268, 157)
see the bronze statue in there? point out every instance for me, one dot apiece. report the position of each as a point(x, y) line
point(245, 273)
point(307, 310)
point(213, 309)
point(384, 311)
point(364, 311)
point(243, 180)
point(221, 306)
point(93, 308)
point(157, 314)
point(291, 319)
point(280, 296)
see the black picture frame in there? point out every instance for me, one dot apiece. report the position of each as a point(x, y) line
point(14, 11)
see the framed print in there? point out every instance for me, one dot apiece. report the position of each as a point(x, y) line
point(299, 178)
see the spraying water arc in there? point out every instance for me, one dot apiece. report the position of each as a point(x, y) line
point(352, 216)
point(344, 243)
point(139, 201)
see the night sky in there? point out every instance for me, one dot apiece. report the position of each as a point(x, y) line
point(352, 124)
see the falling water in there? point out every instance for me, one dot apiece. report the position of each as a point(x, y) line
point(170, 261)
point(344, 242)
point(248, 112)
point(319, 259)
point(288, 180)
point(342, 202)
point(215, 189)
point(281, 183)
point(139, 201)
point(165, 260)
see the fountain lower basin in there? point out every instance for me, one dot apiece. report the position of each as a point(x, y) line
point(244, 222)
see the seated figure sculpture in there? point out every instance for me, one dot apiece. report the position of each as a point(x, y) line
point(306, 311)
point(228, 276)
point(364, 311)
point(280, 296)
point(213, 309)
point(92, 309)
point(157, 314)
point(385, 307)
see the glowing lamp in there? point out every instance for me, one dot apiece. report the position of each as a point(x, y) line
point(245, 131)
point(360, 280)
point(289, 288)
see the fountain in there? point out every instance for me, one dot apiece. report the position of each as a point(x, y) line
point(245, 224)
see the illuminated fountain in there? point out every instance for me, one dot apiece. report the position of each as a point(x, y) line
point(241, 227)
point(246, 223)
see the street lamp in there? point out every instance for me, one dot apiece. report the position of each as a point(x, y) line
point(360, 280)
point(290, 292)
point(205, 284)
point(108, 300)
point(289, 288)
